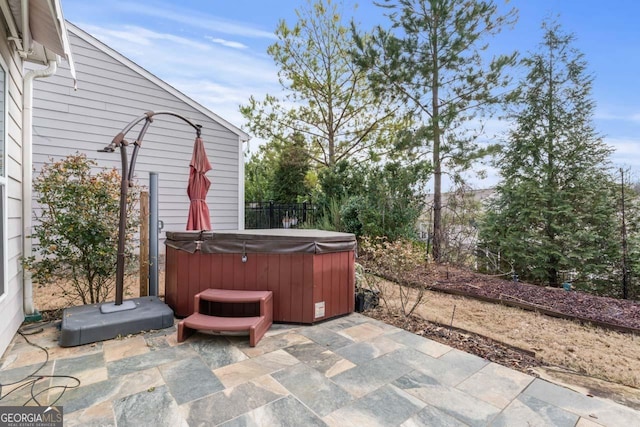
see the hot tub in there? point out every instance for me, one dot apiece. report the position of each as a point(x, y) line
point(310, 272)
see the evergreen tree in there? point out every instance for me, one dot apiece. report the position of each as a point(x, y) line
point(288, 183)
point(556, 209)
point(433, 60)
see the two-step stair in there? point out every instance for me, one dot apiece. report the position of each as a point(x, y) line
point(256, 325)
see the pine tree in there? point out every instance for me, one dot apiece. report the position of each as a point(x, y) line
point(433, 58)
point(556, 206)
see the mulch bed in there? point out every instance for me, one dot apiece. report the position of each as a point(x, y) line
point(579, 304)
point(603, 311)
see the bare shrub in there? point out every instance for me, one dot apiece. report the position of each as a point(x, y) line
point(392, 260)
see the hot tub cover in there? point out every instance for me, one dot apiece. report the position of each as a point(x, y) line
point(262, 241)
point(188, 241)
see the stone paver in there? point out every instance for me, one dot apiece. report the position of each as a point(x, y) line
point(230, 403)
point(216, 352)
point(496, 384)
point(16, 391)
point(387, 405)
point(148, 408)
point(190, 379)
point(428, 347)
point(119, 349)
point(100, 415)
point(351, 370)
point(238, 373)
point(602, 411)
point(456, 403)
point(364, 351)
point(369, 376)
point(148, 360)
point(433, 417)
point(362, 332)
point(326, 337)
point(527, 410)
point(286, 411)
point(109, 390)
point(313, 389)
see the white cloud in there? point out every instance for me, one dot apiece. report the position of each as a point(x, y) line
point(626, 152)
point(227, 43)
point(209, 73)
point(141, 36)
point(624, 146)
point(604, 114)
point(196, 19)
point(224, 100)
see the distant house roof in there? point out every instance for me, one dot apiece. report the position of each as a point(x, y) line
point(158, 81)
point(468, 193)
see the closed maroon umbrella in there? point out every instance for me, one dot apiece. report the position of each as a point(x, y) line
point(197, 189)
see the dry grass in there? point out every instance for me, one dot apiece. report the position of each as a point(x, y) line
point(51, 297)
point(589, 350)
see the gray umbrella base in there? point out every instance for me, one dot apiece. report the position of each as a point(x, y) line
point(87, 323)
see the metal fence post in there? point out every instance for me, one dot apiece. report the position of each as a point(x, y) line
point(304, 212)
point(271, 213)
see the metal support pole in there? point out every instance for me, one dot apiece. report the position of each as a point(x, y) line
point(127, 178)
point(144, 243)
point(153, 234)
point(124, 188)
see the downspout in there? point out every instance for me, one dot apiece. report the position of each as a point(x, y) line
point(241, 184)
point(26, 29)
point(27, 174)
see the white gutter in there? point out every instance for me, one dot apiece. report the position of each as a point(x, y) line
point(66, 46)
point(27, 174)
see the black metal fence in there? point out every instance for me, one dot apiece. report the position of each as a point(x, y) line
point(279, 215)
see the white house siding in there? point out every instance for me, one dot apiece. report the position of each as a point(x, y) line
point(11, 301)
point(112, 91)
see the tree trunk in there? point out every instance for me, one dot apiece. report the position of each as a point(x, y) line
point(437, 205)
point(437, 167)
point(552, 272)
point(550, 214)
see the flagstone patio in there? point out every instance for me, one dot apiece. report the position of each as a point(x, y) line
point(351, 371)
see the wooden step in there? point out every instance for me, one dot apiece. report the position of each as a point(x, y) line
point(256, 325)
point(229, 295)
point(221, 324)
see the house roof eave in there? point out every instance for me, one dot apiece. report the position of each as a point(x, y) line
point(38, 30)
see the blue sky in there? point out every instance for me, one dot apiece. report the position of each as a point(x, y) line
point(215, 50)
